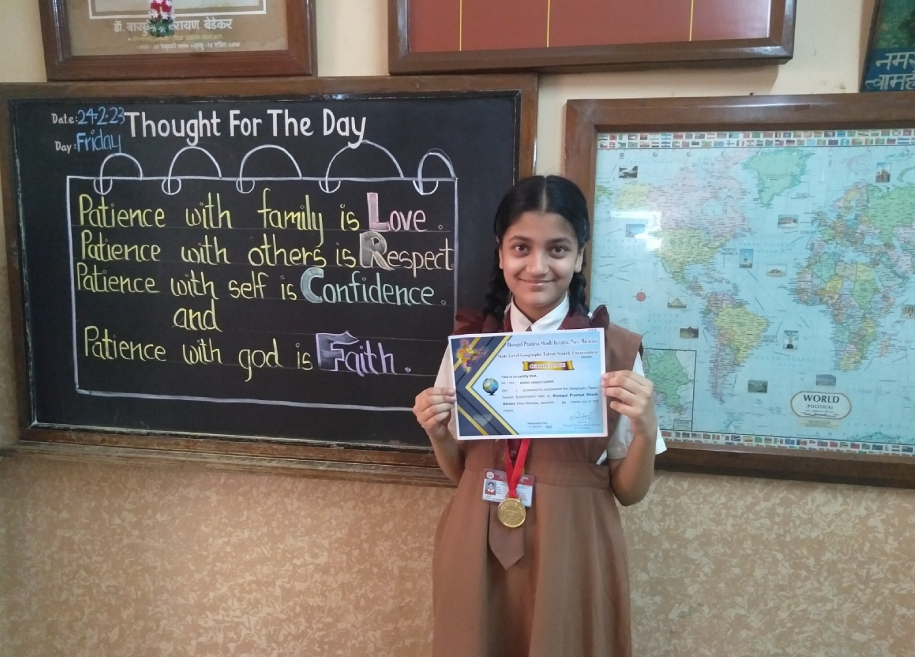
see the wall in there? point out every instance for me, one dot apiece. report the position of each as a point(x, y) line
point(117, 559)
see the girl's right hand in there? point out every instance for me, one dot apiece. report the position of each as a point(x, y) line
point(432, 409)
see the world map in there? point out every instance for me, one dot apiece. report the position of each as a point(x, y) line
point(772, 275)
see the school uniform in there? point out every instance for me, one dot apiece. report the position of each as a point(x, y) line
point(558, 585)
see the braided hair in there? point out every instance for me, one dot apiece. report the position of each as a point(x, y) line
point(552, 194)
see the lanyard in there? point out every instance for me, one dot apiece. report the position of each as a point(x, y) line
point(514, 471)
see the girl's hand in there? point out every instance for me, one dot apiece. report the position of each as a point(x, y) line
point(432, 409)
point(631, 395)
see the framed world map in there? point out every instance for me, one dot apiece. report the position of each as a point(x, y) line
point(765, 249)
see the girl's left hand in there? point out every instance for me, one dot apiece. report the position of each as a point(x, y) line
point(632, 395)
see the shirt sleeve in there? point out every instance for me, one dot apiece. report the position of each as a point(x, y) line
point(619, 443)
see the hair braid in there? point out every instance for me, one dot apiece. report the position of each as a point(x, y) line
point(577, 302)
point(498, 293)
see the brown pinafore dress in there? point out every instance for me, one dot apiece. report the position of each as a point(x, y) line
point(566, 592)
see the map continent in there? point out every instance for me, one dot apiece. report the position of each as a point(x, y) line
point(673, 374)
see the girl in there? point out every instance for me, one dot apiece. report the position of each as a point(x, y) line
point(558, 584)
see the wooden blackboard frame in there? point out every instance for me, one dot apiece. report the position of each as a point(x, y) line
point(585, 119)
point(414, 465)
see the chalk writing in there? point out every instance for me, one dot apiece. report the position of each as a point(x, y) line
point(227, 251)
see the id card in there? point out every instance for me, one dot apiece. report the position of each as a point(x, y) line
point(495, 487)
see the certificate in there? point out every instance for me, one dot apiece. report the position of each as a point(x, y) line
point(530, 385)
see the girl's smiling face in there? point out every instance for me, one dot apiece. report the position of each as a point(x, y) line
point(538, 255)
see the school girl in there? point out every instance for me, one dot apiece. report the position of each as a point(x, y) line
point(558, 584)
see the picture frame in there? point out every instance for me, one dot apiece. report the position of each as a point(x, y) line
point(889, 63)
point(441, 36)
point(110, 40)
point(657, 129)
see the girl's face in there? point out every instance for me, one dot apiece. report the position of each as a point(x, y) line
point(538, 255)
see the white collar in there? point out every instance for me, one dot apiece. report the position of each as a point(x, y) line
point(549, 322)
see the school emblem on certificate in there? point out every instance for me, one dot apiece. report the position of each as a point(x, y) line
point(530, 385)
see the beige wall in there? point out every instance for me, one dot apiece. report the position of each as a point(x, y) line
point(113, 559)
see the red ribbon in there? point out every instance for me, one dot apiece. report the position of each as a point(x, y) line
point(514, 471)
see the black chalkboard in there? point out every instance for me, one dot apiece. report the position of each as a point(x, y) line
point(267, 260)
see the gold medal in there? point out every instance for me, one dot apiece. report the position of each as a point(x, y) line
point(511, 512)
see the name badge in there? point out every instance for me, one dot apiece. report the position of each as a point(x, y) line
point(495, 487)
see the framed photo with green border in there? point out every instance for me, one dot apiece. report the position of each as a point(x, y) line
point(890, 60)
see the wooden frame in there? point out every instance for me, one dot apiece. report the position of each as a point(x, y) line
point(776, 48)
point(61, 63)
point(367, 462)
point(585, 119)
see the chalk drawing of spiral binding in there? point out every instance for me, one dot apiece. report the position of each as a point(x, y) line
point(418, 182)
point(240, 182)
point(98, 184)
point(167, 181)
point(325, 184)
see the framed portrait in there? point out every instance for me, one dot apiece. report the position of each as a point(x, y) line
point(890, 60)
point(763, 247)
point(119, 39)
point(427, 36)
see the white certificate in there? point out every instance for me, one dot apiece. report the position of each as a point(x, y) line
point(530, 385)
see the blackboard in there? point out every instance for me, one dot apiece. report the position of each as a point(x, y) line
point(269, 261)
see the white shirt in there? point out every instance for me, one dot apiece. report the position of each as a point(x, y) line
point(618, 445)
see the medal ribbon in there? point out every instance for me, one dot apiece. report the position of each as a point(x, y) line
point(508, 544)
point(514, 471)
